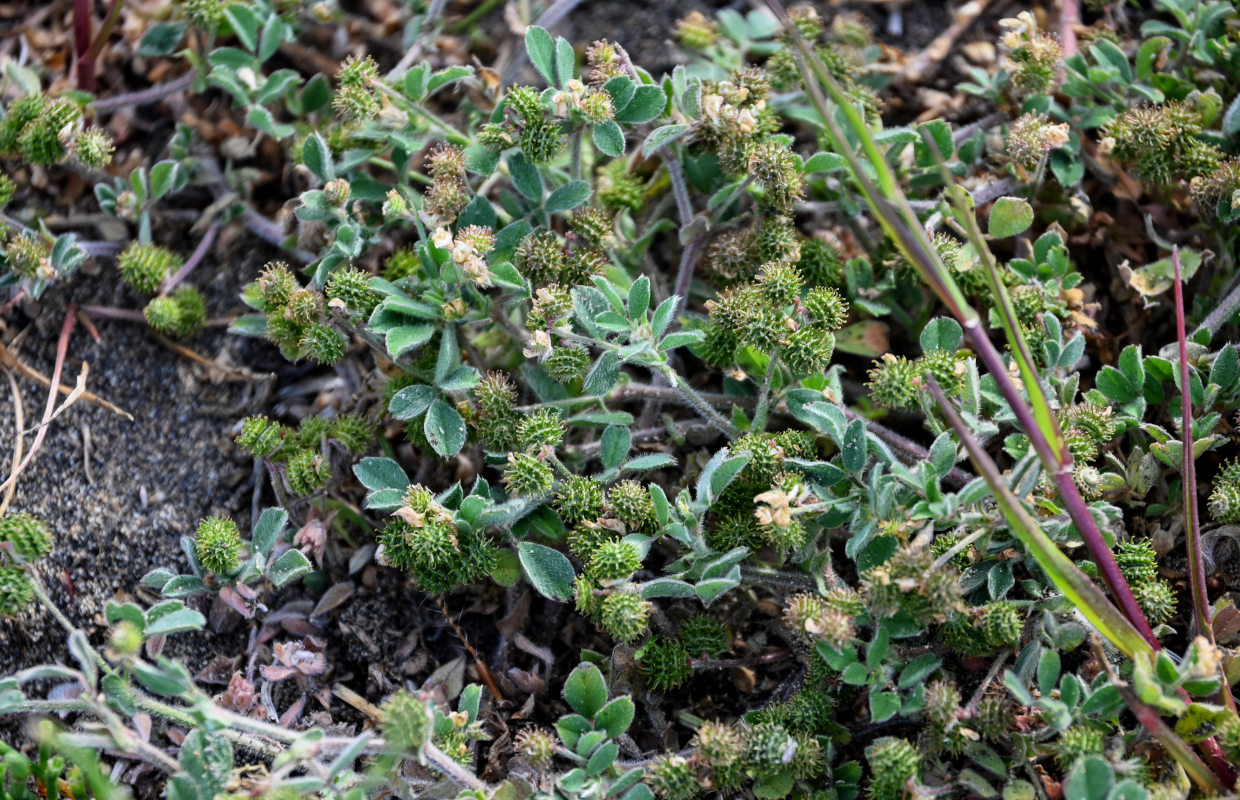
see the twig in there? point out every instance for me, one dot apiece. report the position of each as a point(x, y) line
point(154, 94)
point(483, 670)
point(684, 273)
point(1069, 16)
point(9, 359)
point(991, 674)
point(232, 372)
point(62, 348)
point(195, 259)
point(928, 61)
point(1222, 313)
point(19, 424)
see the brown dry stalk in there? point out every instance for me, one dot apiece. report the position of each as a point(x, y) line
point(483, 670)
point(19, 422)
point(9, 359)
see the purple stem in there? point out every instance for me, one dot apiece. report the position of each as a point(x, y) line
point(1188, 466)
point(107, 312)
point(1062, 476)
point(195, 259)
point(152, 95)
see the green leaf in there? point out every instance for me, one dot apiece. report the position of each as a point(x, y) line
point(380, 473)
point(288, 567)
point(549, 571)
point(565, 61)
point(525, 177)
point(568, 197)
point(853, 450)
point(1226, 368)
point(268, 529)
point(585, 690)
point(883, 706)
point(1114, 385)
point(402, 339)
point(608, 138)
point(1091, 777)
point(603, 375)
point(941, 333)
point(602, 758)
point(614, 446)
point(621, 88)
point(615, 717)
point(161, 39)
point(647, 104)
point(183, 619)
point(1010, 216)
point(317, 157)
point(663, 316)
point(412, 401)
point(919, 669)
point(639, 298)
point(541, 49)
point(661, 136)
point(444, 429)
point(652, 461)
point(445, 76)
point(1048, 671)
point(824, 162)
point(244, 23)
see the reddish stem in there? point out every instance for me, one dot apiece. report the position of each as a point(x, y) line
point(195, 259)
point(81, 45)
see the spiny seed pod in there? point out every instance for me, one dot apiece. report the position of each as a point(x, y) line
point(42, 141)
point(946, 369)
point(401, 264)
point(354, 97)
point(597, 106)
point(994, 719)
point(1217, 192)
point(1002, 623)
point(94, 148)
point(1157, 600)
point(808, 351)
point(551, 304)
point(806, 20)
point(893, 763)
point(582, 265)
point(808, 759)
point(162, 314)
point(27, 254)
point(541, 258)
point(312, 430)
point(526, 476)
point(351, 286)
point(260, 436)
point(7, 189)
point(304, 306)
point(526, 101)
point(895, 382)
point(729, 259)
point(604, 62)
point(696, 31)
point(587, 537)
point(664, 663)
point(307, 472)
point(821, 263)
point(276, 284)
point(701, 634)
point(618, 190)
point(536, 746)
point(446, 161)
point(541, 141)
point(809, 711)
point(845, 600)
point(1225, 496)
point(779, 283)
point(543, 428)
point(446, 198)
point(942, 704)
point(768, 747)
point(718, 745)
point(614, 561)
point(802, 613)
point(907, 582)
point(146, 266)
point(946, 541)
point(579, 499)
point(218, 545)
point(593, 225)
point(1076, 742)
point(1031, 137)
point(16, 590)
point(589, 598)
point(1033, 57)
point(625, 615)
point(353, 431)
point(630, 503)
point(407, 722)
point(1137, 560)
point(776, 239)
point(21, 112)
point(26, 535)
point(775, 168)
point(205, 15)
point(673, 778)
point(324, 344)
point(497, 136)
